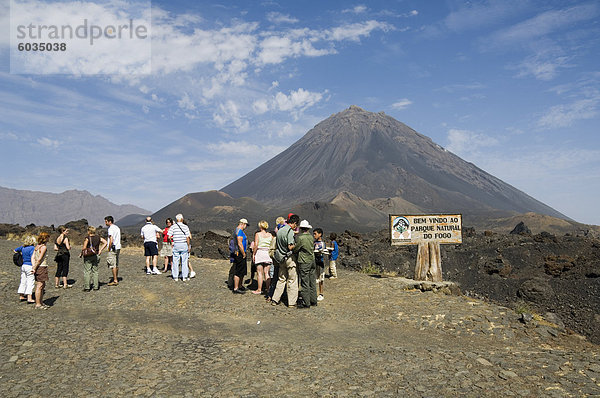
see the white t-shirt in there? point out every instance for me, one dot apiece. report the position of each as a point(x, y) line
point(115, 232)
point(149, 232)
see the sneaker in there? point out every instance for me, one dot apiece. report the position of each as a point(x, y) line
point(155, 271)
point(175, 279)
point(192, 274)
point(148, 272)
point(186, 279)
point(320, 298)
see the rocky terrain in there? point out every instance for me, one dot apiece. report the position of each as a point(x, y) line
point(371, 336)
point(540, 273)
point(534, 273)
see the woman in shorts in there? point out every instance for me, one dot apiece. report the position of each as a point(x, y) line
point(166, 250)
point(260, 256)
point(40, 269)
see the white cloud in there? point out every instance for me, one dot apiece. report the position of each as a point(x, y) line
point(565, 115)
point(543, 24)
point(9, 136)
point(245, 149)
point(473, 15)
point(359, 9)
point(452, 88)
point(297, 100)
point(260, 106)
point(402, 104)
point(229, 116)
point(94, 54)
point(465, 142)
point(279, 18)
point(355, 31)
point(186, 103)
point(48, 143)
point(542, 67)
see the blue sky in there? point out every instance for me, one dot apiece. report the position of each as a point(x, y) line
point(512, 86)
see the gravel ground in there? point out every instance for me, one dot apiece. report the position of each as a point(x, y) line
point(152, 336)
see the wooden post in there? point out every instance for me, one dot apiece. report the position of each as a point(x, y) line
point(429, 262)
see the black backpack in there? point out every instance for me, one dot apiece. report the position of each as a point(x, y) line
point(18, 259)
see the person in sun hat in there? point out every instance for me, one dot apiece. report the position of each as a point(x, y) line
point(304, 251)
point(288, 276)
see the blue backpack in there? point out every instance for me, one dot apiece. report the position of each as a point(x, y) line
point(232, 247)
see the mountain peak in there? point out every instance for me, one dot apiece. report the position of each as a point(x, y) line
point(374, 156)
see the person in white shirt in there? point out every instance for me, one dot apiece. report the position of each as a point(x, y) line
point(114, 248)
point(180, 233)
point(150, 233)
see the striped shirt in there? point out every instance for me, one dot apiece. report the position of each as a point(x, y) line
point(179, 232)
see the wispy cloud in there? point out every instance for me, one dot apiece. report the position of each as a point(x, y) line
point(544, 64)
point(567, 114)
point(452, 88)
point(401, 104)
point(542, 25)
point(279, 18)
point(473, 15)
point(465, 142)
point(359, 9)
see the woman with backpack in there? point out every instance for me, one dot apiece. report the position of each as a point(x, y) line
point(27, 278)
point(90, 258)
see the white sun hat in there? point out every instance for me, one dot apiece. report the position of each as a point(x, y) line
point(305, 224)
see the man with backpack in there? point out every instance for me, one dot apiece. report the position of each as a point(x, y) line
point(240, 264)
point(285, 260)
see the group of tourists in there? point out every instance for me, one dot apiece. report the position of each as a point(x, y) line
point(288, 260)
point(34, 268)
point(176, 248)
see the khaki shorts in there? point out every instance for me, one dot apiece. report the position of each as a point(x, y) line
point(112, 258)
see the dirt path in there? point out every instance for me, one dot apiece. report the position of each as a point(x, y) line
point(155, 337)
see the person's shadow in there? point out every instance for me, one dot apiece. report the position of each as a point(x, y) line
point(50, 301)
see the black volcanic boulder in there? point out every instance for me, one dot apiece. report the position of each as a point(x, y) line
point(537, 290)
point(521, 229)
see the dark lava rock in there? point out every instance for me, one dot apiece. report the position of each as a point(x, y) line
point(521, 229)
point(556, 265)
point(536, 290)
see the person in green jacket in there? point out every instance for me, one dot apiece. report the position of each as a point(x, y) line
point(304, 250)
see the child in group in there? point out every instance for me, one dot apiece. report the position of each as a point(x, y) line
point(320, 250)
point(334, 252)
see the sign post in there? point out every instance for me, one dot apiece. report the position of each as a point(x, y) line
point(427, 231)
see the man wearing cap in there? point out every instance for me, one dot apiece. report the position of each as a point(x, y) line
point(287, 267)
point(149, 233)
point(240, 264)
point(304, 251)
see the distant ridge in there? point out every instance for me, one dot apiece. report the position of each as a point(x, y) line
point(46, 208)
point(374, 160)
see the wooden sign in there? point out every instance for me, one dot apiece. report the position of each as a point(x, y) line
point(427, 231)
point(435, 228)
